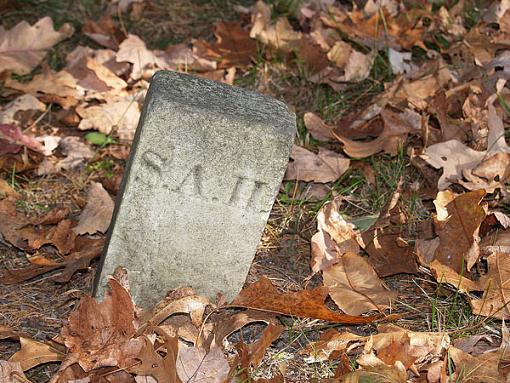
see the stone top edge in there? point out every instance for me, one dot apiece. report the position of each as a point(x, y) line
point(237, 102)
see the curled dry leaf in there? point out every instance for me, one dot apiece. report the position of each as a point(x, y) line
point(459, 240)
point(98, 212)
point(103, 32)
point(441, 202)
point(279, 36)
point(262, 295)
point(317, 128)
point(228, 323)
point(355, 287)
point(182, 301)
point(34, 353)
point(334, 238)
point(23, 47)
point(327, 166)
point(396, 126)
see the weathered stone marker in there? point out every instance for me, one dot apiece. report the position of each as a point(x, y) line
point(206, 164)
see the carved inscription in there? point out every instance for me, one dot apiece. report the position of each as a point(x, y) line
point(192, 183)
point(244, 186)
point(245, 194)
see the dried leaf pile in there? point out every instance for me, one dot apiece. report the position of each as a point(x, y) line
point(443, 107)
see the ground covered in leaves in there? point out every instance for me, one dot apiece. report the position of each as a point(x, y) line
point(387, 254)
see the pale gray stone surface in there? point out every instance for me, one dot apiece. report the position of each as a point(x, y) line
point(205, 168)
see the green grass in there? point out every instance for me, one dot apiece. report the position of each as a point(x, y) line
point(104, 166)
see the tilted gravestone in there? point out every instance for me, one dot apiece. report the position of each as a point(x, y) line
point(206, 164)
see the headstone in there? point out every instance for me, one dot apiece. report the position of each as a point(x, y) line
point(205, 168)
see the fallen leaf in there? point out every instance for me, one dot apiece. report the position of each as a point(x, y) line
point(22, 103)
point(98, 212)
point(59, 87)
point(86, 250)
point(12, 140)
point(279, 36)
point(197, 365)
point(401, 30)
point(480, 369)
point(162, 368)
point(233, 46)
point(125, 4)
point(400, 62)
point(61, 236)
point(6, 190)
point(494, 284)
point(11, 372)
point(183, 58)
point(23, 47)
point(262, 295)
point(327, 166)
point(121, 116)
point(134, 51)
point(334, 238)
point(459, 241)
point(496, 242)
point(487, 169)
point(258, 349)
point(317, 128)
point(418, 344)
point(92, 74)
point(340, 53)
point(388, 253)
point(99, 334)
point(76, 151)
point(377, 373)
point(229, 323)
point(397, 124)
point(358, 66)
point(453, 157)
point(103, 32)
point(355, 287)
point(181, 301)
point(34, 353)
point(441, 202)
